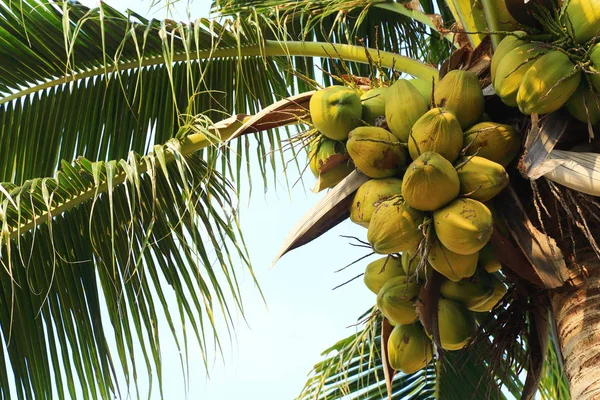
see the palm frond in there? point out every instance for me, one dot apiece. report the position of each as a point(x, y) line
point(112, 261)
point(387, 26)
point(353, 369)
point(97, 83)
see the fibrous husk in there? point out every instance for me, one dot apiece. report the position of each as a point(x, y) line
point(410, 265)
point(380, 271)
point(480, 179)
point(335, 111)
point(430, 182)
point(582, 19)
point(471, 291)
point(499, 290)
point(376, 152)
point(424, 87)
point(507, 44)
point(395, 227)
point(373, 104)
point(460, 92)
point(369, 195)
point(548, 84)
point(396, 300)
point(437, 130)
point(512, 68)
point(450, 264)
point(403, 107)
point(463, 226)
point(456, 324)
point(497, 142)
point(584, 105)
point(488, 260)
point(409, 349)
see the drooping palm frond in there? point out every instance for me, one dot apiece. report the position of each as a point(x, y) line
point(97, 83)
point(168, 230)
point(383, 25)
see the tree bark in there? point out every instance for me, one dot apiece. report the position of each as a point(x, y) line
point(577, 314)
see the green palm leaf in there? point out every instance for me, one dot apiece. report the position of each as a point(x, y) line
point(118, 251)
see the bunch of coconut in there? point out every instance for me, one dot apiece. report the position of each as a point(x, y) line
point(541, 76)
point(434, 166)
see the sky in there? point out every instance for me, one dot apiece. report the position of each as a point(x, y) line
point(281, 340)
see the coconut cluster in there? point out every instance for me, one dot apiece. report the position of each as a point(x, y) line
point(434, 165)
point(540, 77)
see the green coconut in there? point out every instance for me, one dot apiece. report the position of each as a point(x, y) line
point(463, 226)
point(582, 19)
point(395, 227)
point(488, 260)
point(424, 87)
point(437, 130)
point(460, 92)
point(380, 271)
point(471, 291)
point(456, 324)
point(496, 142)
point(329, 162)
point(499, 290)
point(548, 84)
point(396, 300)
point(511, 69)
point(409, 349)
point(430, 182)
point(376, 152)
point(369, 195)
point(335, 111)
point(373, 104)
point(507, 44)
point(452, 265)
point(403, 107)
point(480, 179)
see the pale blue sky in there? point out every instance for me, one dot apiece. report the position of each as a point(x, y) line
point(269, 358)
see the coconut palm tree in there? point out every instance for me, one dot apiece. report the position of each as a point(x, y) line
point(120, 139)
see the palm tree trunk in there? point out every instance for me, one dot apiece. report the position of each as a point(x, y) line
point(577, 313)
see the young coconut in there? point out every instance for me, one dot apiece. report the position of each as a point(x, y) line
point(335, 111)
point(409, 349)
point(480, 178)
point(404, 105)
point(369, 195)
point(437, 130)
point(396, 300)
point(373, 104)
point(471, 291)
point(430, 182)
point(456, 324)
point(450, 264)
point(496, 142)
point(329, 163)
point(463, 226)
point(498, 293)
point(380, 271)
point(460, 92)
point(512, 68)
point(395, 227)
point(582, 19)
point(548, 84)
point(376, 152)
